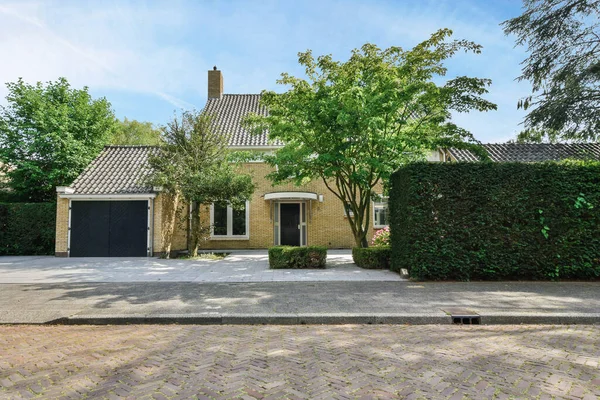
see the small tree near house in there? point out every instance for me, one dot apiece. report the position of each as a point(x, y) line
point(351, 124)
point(192, 166)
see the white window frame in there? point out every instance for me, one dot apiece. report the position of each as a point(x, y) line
point(380, 204)
point(229, 235)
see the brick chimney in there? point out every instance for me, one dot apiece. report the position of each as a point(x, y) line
point(215, 84)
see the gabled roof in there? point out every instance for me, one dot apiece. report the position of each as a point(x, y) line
point(116, 170)
point(228, 112)
point(531, 152)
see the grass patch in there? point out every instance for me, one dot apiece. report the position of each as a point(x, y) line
point(204, 256)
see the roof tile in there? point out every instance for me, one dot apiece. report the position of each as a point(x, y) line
point(531, 152)
point(228, 112)
point(116, 170)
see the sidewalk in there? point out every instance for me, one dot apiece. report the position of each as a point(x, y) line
point(300, 302)
point(239, 266)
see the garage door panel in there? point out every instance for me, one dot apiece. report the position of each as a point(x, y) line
point(90, 228)
point(109, 228)
point(128, 228)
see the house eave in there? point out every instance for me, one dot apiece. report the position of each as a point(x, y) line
point(110, 196)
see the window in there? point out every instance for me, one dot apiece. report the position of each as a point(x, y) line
point(380, 212)
point(228, 222)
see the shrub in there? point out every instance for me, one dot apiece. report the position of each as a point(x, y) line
point(372, 257)
point(381, 237)
point(297, 257)
point(27, 228)
point(489, 221)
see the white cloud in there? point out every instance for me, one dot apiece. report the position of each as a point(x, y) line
point(96, 49)
point(163, 49)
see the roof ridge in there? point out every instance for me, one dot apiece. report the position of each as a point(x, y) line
point(111, 146)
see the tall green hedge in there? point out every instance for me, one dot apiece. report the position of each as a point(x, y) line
point(27, 228)
point(486, 221)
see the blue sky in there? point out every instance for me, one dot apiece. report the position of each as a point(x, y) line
point(150, 58)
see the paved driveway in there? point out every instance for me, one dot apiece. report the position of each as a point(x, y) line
point(300, 362)
point(239, 266)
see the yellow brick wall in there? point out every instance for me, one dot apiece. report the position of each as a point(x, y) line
point(326, 224)
point(62, 226)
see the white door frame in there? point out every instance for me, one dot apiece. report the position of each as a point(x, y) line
point(303, 222)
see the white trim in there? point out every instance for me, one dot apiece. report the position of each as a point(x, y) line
point(64, 190)
point(291, 196)
point(149, 229)
point(132, 196)
point(305, 223)
point(69, 232)
point(229, 224)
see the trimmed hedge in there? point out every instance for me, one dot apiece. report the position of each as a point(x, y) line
point(281, 257)
point(27, 228)
point(488, 221)
point(372, 257)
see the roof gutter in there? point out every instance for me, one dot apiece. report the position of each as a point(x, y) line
point(113, 196)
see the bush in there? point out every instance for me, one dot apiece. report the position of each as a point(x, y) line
point(381, 237)
point(27, 228)
point(372, 257)
point(488, 221)
point(297, 257)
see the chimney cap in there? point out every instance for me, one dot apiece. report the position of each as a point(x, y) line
point(215, 68)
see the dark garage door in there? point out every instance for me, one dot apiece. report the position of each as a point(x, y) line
point(109, 228)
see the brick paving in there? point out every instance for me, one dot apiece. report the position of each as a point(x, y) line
point(300, 362)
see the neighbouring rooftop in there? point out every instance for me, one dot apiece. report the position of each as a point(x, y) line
point(532, 152)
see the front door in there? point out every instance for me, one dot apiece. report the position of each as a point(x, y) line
point(290, 224)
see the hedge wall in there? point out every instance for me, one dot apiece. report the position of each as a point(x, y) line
point(297, 257)
point(464, 221)
point(27, 228)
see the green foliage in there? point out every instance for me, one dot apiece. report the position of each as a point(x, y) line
point(48, 134)
point(193, 162)
point(563, 66)
point(372, 257)
point(27, 228)
point(132, 132)
point(290, 257)
point(492, 221)
point(351, 124)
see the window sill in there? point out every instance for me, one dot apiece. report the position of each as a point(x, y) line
point(380, 226)
point(230, 238)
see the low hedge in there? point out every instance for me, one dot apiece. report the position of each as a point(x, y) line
point(491, 221)
point(290, 257)
point(372, 257)
point(27, 228)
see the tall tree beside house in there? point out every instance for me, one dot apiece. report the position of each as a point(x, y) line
point(132, 132)
point(48, 134)
point(192, 165)
point(351, 124)
point(563, 66)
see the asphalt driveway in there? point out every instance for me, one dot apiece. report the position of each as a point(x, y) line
point(239, 266)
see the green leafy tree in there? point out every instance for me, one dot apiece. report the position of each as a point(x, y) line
point(48, 134)
point(351, 124)
point(192, 165)
point(563, 66)
point(132, 132)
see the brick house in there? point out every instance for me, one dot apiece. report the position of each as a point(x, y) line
point(107, 212)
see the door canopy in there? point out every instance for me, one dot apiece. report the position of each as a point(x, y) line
point(291, 196)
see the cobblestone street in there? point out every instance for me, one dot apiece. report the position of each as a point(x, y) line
point(300, 362)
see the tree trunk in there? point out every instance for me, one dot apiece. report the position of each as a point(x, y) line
point(194, 241)
point(170, 205)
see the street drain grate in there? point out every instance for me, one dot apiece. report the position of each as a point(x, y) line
point(463, 316)
point(466, 319)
